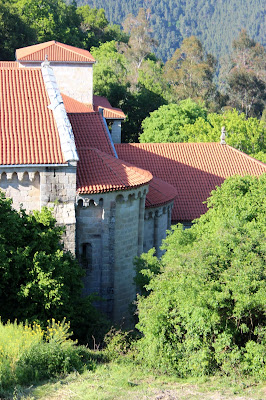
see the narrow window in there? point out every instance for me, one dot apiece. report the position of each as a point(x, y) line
point(86, 256)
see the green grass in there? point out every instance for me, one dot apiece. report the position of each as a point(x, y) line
point(125, 381)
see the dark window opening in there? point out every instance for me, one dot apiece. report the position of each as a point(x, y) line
point(86, 256)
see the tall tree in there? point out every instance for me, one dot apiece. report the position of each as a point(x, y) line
point(140, 43)
point(190, 73)
point(14, 32)
point(246, 79)
point(96, 27)
point(51, 20)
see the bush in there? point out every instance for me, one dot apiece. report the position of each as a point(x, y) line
point(207, 310)
point(38, 279)
point(29, 354)
point(146, 266)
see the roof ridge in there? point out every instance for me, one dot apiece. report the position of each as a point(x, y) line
point(247, 155)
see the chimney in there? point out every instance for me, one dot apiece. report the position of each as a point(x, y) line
point(223, 133)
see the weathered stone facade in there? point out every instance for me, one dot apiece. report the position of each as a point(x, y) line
point(34, 187)
point(109, 235)
point(73, 79)
point(157, 221)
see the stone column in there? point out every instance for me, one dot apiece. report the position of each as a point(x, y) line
point(141, 224)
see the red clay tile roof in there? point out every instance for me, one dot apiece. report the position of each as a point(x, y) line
point(194, 169)
point(109, 112)
point(159, 193)
point(55, 51)
point(28, 132)
point(99, 172)
point(8, 64)
point(75, 106)
point(89, 131)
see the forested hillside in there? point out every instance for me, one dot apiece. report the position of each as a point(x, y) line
point(215, 22)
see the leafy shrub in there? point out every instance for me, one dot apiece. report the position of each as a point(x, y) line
point(146, 266)
point(38, 279)
point(207, 309)
point(29, 354)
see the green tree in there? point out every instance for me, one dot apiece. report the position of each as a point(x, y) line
point(14, 32)
point(164, 124)
point(206, 310)
point(51, 20)
point(110, 73)
point(96, 27)
point(140, 43)
point(245, 134)
point(112, 80)
point(246, 79)
point(190, 73)
point(38, 280)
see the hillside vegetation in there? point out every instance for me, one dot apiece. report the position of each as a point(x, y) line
point(215, 22)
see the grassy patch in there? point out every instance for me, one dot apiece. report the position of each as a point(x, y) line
point(125, 380)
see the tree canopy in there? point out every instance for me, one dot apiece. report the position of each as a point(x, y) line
point(245, 134)
point(215, 23)
point(164, 124)
point(38, 279)
point(206, 308)
point(190, 73)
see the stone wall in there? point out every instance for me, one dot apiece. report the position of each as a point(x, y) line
point(110, 230)
point(38, 186)
point(156, 222)
point(23, 186)
point(75, 80)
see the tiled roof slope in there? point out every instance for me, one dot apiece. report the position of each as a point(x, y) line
point(55, 51)
point(109, 112)
point(99, 172)
point(8, 64)
point(159, 193)
point(89, 131)
point(28, 132)
point(194, 169)
point(75, 106)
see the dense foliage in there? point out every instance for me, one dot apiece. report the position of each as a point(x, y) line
point(164, 124)
point(30, 354)
point(38, 279)
point(188, 122)
point(206, 310)
point(215, 23)
point(24, 23)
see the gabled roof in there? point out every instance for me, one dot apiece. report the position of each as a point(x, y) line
point(56, 51)
point(28, 131)
point(194, 169)
point(109, 112)
point(99, 172)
